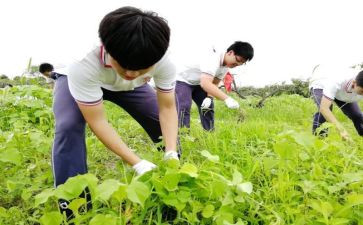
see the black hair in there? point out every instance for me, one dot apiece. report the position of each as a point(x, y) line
point(243, 49)
point(359, 79)
point(135, 39)
point(46, 67)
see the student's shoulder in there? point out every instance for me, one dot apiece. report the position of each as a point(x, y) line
point(90, 64)
point(165, 64)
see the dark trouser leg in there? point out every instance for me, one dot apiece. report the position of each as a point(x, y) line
point(69, 147)
point(184, 98)
point(141, 103)
point(353, 112)
point(206, 116)
point(318, 119)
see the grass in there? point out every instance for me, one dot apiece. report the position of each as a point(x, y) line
point(296, 177)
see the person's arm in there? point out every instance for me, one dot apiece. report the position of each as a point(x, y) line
point(329, 116)
point(209, 85)
point(168, 119)
point(96, 119)
point(216, 82)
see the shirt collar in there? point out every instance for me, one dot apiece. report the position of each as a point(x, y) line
point(348, 86)
point(104, 57)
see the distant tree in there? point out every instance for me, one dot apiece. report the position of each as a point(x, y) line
point(3, 77)
point(297, 86)
point(358, 66)
point(5, 81)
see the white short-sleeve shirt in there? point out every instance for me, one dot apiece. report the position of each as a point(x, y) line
point(87, 76)
point(336, 83)
point(211, 62)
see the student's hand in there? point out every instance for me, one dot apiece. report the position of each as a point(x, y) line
point(207, 102)
point(171, 155)
point(231, 103)
point(143, 166)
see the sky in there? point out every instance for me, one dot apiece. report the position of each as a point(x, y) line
point(289, 37)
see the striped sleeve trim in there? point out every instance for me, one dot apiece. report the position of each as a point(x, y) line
point(328, 98)
point(165, 90)
point(90, 103)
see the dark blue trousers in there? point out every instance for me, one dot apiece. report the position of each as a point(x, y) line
point(185, 93)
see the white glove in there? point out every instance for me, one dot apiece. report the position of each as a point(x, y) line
point(207, 102)
point(143, 166)
point(171, 155)
point(231, 103)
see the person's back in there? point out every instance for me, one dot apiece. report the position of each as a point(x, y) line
point(208, 60)
point(336, 82)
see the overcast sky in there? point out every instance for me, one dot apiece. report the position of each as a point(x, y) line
point(290, 37)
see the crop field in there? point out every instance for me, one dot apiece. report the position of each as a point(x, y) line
point(259, 166)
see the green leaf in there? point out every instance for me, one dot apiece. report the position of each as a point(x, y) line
point(11, 155)
point(218, 188)
point(245, 187)
point(26, 194)
point(228, 199)
point(71, 189)
point(304, 139)
point(307, 186)
point(51, 218)
point(91, 180)
point(196, 206)
point(76, 204)
point(223, 215)
point(208, 211)
point(43, 196)
point(353, 177)
point(355, 199)
point(170, 181)
point(184, 195)
point(11, 185)
point(74, 186)
point(158, 185)
point(237, 177)
point(103, 219)
point(172, 200)
point(106, 189)
point(189, 169)
point(173, 164)
point(138, 192)
point(325, 208)
point(339, 221)
point(120, 194)
point(209, 156)
point(4, 213)
point(285, 149)
point(239, 222)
